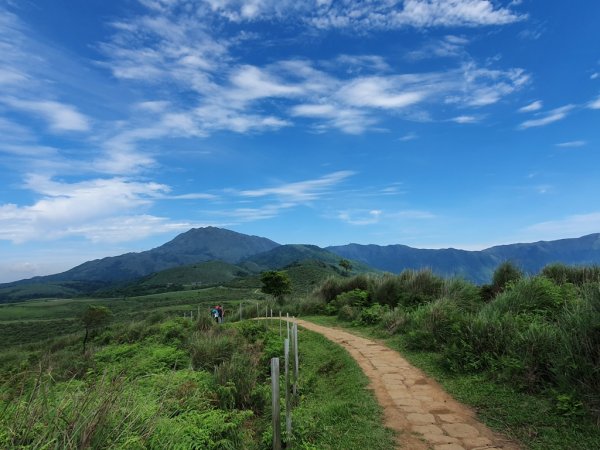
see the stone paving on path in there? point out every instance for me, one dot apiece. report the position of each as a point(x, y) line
point(414, 405)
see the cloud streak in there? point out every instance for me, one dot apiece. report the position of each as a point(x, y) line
point(549, 117)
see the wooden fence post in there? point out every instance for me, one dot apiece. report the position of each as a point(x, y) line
point(275, 403)
point(295, 333)
point(280, 323)
point(288, 404)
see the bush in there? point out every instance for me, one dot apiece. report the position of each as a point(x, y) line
point(462, 293)
point(373, 314)
point(348, 313)
point(356, 298)
point(419, 287)
point(236, 379)
point(209, 349)
point(434, 324)
point(538, 296)
point(387, 290)
point(562, 274)
point(396, 321)
point(332, 287)
point(505, 274)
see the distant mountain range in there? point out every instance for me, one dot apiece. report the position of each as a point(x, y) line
point(244, 254)
point(477, 266)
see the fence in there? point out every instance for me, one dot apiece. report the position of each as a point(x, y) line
point(290, 346)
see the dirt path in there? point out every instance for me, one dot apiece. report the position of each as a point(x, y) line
point(414, 405)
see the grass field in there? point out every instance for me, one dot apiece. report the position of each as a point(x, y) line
point(178, 383)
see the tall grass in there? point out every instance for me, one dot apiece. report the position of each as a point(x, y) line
point(539, 333)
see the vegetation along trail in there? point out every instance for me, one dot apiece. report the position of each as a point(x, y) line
point(414, 405)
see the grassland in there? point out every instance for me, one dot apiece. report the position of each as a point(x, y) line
point(177, 383)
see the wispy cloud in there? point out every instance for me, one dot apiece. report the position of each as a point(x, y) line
point(465, 119)
point(408, 137)
point(571, 144)
point(449, 46)
point(374, 216)
point(60, 116)
point(177, 47)
point(595, 104)
point(533, 106)
point(360, 217)
point(574, 226)
point(549, 117)
point(301, 191)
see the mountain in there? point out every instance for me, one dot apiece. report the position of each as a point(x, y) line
point(477, 266)
point(285, 255)
point(194, 246)
point(236, 255)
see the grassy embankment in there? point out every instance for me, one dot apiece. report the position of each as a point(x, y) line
point(176, 383)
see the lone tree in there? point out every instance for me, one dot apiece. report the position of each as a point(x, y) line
point(346, 265)
point(276, 283)
point(94, 317)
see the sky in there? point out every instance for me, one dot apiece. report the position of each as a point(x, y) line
point(429, 123)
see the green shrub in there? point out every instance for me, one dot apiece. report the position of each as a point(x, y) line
point(434, 324)
point(537, 295)
point(504, 275)
point(209, 349)
point(236, 380)
point(373, 314)
point(464, 294)
point(355, 297)
point(332, 287)
point(348, 313)
point(396, 320)
point(419, 287)
point(577, 275)
point(387, 290)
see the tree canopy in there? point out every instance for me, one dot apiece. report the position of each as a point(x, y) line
point(276, 283)
point(94, 317)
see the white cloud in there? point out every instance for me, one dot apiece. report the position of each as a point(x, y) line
point(594, 76)
point(378, 92)
point(570, 226)
point(533, 106)
point(549, 117)
point(571, 144)
point(374, 216)
point(449, 46)
point(60, 116)
point(465, 119)
point(95, 209)
point(373, 14)
point(595, 104)
point(408, 137)
point(263, 212)
point(301, 191)
point(360, 217)
point(176, 44)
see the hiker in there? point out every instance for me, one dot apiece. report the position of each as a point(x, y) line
point(220, 310)
point(214, 313)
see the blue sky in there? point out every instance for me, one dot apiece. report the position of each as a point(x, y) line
point(430, 123)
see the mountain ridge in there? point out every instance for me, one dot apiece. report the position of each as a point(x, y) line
point(475, 265)
point(257, 253)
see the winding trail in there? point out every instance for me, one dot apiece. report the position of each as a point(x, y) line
point(414, 405)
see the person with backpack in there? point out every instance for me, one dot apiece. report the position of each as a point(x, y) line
point(214, 313)
point(220, 311)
